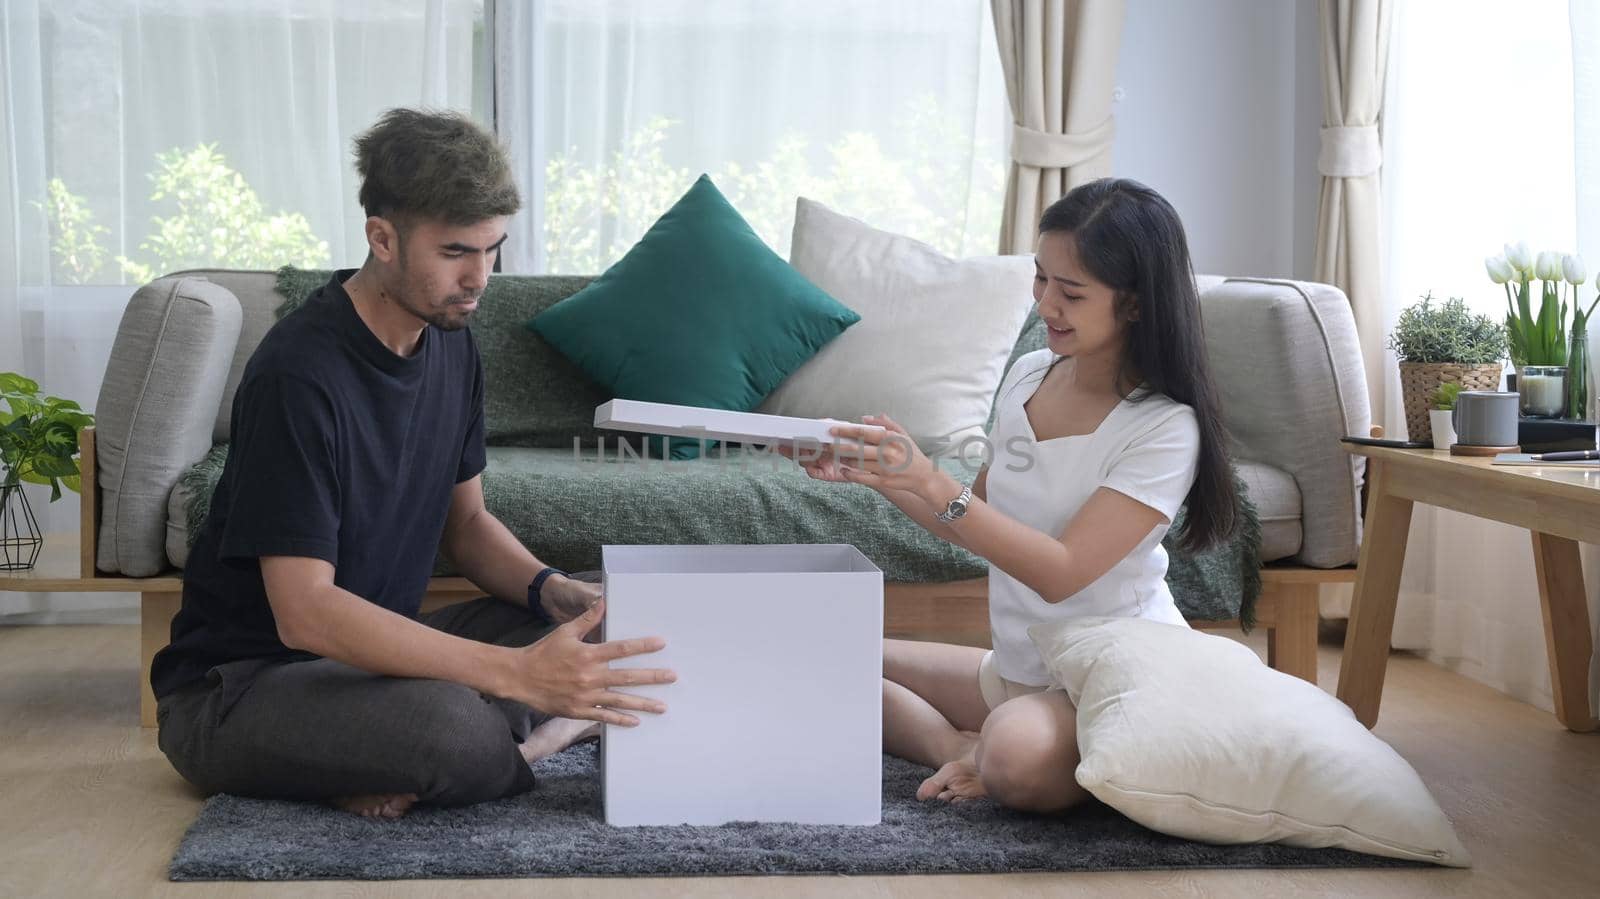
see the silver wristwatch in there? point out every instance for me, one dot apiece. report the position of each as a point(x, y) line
point(957, 507)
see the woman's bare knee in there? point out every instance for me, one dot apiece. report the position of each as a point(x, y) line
point(1028, 755)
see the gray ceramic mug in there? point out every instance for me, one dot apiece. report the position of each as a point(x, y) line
point(1486, 418)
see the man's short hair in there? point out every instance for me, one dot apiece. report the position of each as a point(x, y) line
point(434, 165)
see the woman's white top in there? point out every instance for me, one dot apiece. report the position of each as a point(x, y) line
point(1147, 449)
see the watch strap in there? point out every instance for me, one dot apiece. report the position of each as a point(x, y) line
point(536, 591)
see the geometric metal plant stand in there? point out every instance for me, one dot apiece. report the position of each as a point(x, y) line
point(20, 540)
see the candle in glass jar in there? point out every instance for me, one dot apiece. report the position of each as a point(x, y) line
point(1543, 391)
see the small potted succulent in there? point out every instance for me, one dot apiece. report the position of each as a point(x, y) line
point(1439, 344)
point(1442, 416)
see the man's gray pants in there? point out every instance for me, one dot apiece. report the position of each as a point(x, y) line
point(317, 730)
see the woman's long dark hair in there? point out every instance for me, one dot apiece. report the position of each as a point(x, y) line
point(1130, 239)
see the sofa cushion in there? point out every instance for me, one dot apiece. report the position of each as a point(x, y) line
point(934, 336)
point(1277, 501)
point(565, 506)
point(157, 404)
point(535, 396)
point(700, 312)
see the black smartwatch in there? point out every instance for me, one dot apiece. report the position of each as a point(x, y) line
point(535, 591)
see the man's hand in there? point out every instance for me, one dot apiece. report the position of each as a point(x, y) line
point(564, 599)
point(564, 676)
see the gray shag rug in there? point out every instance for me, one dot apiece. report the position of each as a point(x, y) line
point(558, 831)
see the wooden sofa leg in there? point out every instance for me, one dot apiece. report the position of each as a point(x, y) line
point(1292, 632)
point(156, 611)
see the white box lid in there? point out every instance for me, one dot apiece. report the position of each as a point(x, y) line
point(696, 423)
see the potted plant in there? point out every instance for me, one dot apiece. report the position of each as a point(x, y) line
point(38, 445)
point(1539, 340)
point(1442, 416)
point(1441, 344)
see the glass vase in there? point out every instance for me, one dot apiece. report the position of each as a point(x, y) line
point(1578, 376)
point(20, 540)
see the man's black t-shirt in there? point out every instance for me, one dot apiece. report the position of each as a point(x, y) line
point(340, 450)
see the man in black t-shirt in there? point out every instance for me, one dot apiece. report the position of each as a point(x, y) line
point(298, 666)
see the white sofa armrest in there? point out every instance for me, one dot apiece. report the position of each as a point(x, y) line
point(1288, 369)
point(156, 412)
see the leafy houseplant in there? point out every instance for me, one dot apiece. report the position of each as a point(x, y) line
point(38, 445)
point(1441, 344)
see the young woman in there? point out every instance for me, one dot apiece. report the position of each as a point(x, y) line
point(1097, 442)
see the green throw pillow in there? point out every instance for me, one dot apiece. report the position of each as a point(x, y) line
point(699, 313)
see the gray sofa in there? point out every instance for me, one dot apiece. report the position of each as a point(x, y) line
point(1284, 352)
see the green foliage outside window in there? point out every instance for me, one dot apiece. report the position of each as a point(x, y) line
point(213, 218)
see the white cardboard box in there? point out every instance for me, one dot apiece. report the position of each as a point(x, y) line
point(697, 423)
point(777, 714)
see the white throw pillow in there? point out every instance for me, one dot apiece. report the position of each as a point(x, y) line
point(934, 335)
point(1190, 734)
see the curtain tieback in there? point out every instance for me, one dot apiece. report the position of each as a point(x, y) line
point(1043, 150)
point(1351, 151)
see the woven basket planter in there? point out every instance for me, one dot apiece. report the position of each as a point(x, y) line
point(1420, 380)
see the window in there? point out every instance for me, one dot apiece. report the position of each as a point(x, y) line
point(893, 112)
point(178, 134)
point(186, 133)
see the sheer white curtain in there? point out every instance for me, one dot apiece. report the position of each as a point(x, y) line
point(893, 112)
point(136, 136)
point(1489, 137)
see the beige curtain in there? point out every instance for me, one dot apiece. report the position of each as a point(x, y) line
point(1355, 54)
point(1060, 63)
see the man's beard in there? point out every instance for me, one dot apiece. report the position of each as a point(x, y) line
point(443, 319)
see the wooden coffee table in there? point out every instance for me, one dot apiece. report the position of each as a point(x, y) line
point(1560, 507)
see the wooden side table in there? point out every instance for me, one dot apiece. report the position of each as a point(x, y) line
point(60, 570)
point(1560, 507)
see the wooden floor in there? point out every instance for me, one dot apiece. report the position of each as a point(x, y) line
point(89, 806)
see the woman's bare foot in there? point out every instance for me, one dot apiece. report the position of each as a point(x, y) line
point(389, 805)
point(555, 735)
point(957, 780)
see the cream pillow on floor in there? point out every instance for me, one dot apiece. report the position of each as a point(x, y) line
point(1191, 735)
point(934, 335)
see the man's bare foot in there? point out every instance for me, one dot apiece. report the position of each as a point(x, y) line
point(957, 780)
point(555, 735)
point(390, 805)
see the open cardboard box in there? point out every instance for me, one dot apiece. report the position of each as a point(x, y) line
point(777, 714)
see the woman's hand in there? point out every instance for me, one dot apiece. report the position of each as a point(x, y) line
point(886, 459)
point(817, 460)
